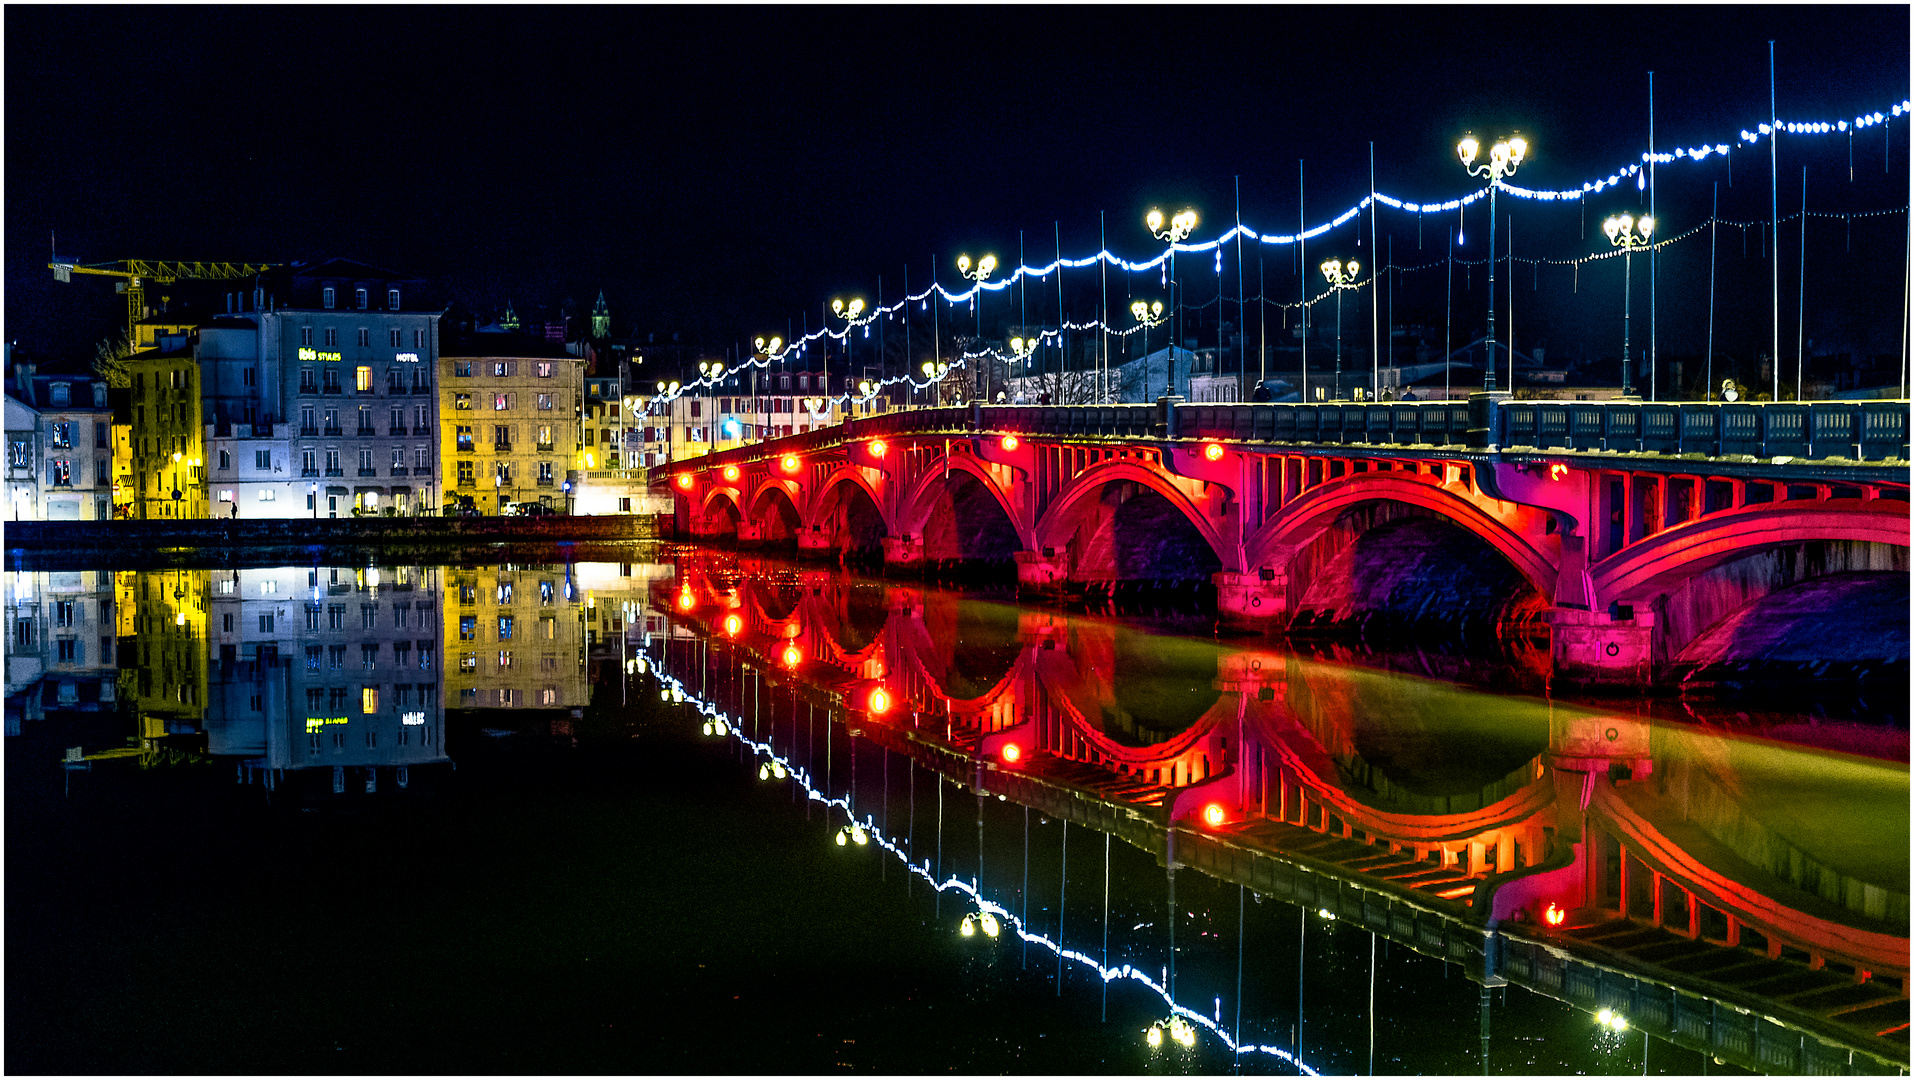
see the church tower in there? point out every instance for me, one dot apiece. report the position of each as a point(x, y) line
point(600, 318)
point(510, 322)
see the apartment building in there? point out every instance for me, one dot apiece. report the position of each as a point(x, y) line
point(517, 637)
point(510, 410)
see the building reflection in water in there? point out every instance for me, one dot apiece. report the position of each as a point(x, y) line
point(1743, 897)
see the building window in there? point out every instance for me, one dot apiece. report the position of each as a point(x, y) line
point(265, 623)
point(419, 463)
point(545, 435)
point(225, 460)
point(697, 407)
point(308, 381)
point(328, 298)
point(365, 336)
point(359, 298)
point(544, 472)
point(505, 658)
point(468, 628)
point(268, 495)
point(501, 437)
point(362, 376)
point(462, 402)
point(336, 616)
point(332, 337)
point(60, 473)
point(226, 495)
point(544, 369)
point(418, 339)
point(68, 650)
point(305, 334)
point(505, 628)
point(501, 402)
point(465, 472)
point(501, 368)
point(544, 401)
point(392, 301)
point(365, 463)
point(464, 435)
point(262, 459)
point(369, 700)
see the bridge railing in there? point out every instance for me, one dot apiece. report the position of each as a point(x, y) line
point(1817, 430)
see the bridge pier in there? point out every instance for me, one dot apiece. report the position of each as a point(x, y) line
point(1041, 573)
point(1600, 649)
point(1251, 601)
point(903, 554)
point(750, 534)
point(815, 543)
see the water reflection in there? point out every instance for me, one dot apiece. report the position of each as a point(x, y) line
point(1602, 856)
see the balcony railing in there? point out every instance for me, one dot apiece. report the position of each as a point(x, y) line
point(544, 481)
point(308, 430)
point(333, 429)
point(335, 471)
point(398, 470)
point(421, 429)
point(501, 448)
point(368, 472)
point(366, 431)
point(308, 472)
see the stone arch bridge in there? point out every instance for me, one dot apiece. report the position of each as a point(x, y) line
point(1637, 530)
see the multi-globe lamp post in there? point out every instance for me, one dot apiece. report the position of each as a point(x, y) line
point(1022, 349)
point(984, 268)
point(934, 372)
point(1146, 316)
point(1628, 233)
point(1341, 276)
point(1175, 232)
point(667, 393)
point(1504, 158)
point(851, 313)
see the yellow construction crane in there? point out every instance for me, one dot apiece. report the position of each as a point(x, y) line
point(136, 273)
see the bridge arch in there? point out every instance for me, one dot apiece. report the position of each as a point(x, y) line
point(773, 508)
point(963, 514)
point(1162, 527)
point(718, 514)
point(849, 510)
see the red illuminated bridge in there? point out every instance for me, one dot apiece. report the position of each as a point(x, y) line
point(1646, 535)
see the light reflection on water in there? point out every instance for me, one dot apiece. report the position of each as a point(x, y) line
point(216, 665)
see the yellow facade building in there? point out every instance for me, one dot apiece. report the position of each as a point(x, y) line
point(515, 637)
point(161, 619)
point(159, 468)
point(509, 409)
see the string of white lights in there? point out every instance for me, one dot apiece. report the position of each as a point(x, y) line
point(720, 723)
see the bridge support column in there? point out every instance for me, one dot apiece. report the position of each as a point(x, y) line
point(1593, 648)
point(816, 544)
point(1249, 601)
point(750, 534)
point(903, 554)
point(1041, 573)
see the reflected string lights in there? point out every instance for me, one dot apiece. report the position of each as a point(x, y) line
point(990, 917)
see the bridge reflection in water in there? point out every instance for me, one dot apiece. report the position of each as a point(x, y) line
point(1741, 897)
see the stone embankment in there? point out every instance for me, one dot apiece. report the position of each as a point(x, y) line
point(122, 540)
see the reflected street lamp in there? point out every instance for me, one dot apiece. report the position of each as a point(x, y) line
point(1504, 158)
point(1627, 233)
point(1178, 230)
point(1341, 276)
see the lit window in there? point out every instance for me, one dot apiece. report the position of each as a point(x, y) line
point(501, 402)
point(544, 401)
point(369, 699)
point(363, 377)
point(544, 369)
point(267, 495)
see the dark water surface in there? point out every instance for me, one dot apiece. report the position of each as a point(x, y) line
point(537, 853)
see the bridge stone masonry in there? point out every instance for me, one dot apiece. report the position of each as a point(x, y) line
point(1653, 539)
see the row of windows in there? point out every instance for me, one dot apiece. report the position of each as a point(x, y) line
point(504, 697)
point(330, 702)
point(60, 472)
point(401, 379)
point(507, 590)
point(503, 436)
point(473, 663)
point(502, 369)
point(309, 462)
point(335, 616)
point(470, 630)
point(330, 296)
point(333, 657)
point(502, 474)
point(500, 402)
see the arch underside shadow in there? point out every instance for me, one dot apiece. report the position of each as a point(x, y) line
point(849, 513)
point(776, 516)
point(964, 523)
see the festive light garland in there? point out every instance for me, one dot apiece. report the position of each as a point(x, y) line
point(1041, 273)
point(720, 723)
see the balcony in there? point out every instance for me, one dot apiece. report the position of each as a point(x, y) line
point(544, 481)
point(398, 470)
point(308, 387)
point(467, 482)
point(544, 448)
point(421, 429)
point(368, 472)
point(333, 429)
point(330, 390)
point(308, 472)
point(335, 471)
point(465, 447)
point(501, 448)
point(395, 431)
point(365, 431)
point(308, 430)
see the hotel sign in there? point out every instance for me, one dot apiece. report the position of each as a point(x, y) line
point(314, 354)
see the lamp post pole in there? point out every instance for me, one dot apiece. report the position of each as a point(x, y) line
point(1179, 229)
point(1504, 158)
point(849, 313)
point(1627, 233)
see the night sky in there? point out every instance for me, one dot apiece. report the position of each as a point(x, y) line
point(719, 171)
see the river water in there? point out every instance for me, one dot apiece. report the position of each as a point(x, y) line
point(686, 811)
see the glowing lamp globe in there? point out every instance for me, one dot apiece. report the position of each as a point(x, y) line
point(1213, 451)
point(684, 481)
point(792, 656)
point(732, 624)
point(789, 463)
point(1012, 753)
point(879, 448)
point(1213, 815)
point(731, 472)
point(685, 601)
point(1010, 442)
point(990, 924)
point(879, 701)
point(1554, 915)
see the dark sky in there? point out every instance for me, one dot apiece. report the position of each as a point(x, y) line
point(717, 171)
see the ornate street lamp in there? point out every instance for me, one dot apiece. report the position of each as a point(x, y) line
point(1627, 233)
point(1504, 158)
point(1178, 230)
point(1148, 315)
point(1341, 276)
